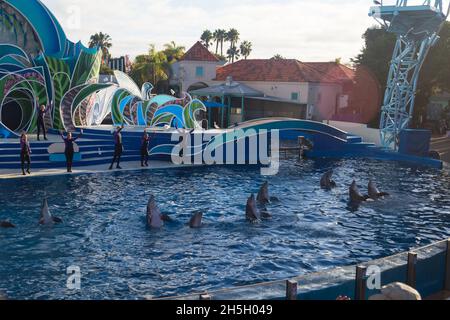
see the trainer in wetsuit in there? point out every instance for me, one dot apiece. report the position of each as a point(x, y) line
point(25, 152)
point(144, 149)
point(41, 122)
point(118, 147)
point(69, 149)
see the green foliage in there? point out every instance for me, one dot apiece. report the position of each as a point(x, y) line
point(377, 54)
point(233, 54)
point(206, 38)
point(246, 49)
point(104, 69)
point(103, 41)
point(156, 66)
point(278, 57)
point(220, 35)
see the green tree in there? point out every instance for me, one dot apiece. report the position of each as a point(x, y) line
point(233, 54)
point(377, 54)
point(278, 57)
point(232, 36)
point(220, 36)
point(102, 41)
point(206, 38)
point(246, 49)
point(151, 67)
point(104, 69)
point(173, 51)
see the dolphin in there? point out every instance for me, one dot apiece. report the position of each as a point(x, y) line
point(6, 224)
point(355, 195)
point(251, 211)
point(374, 193)
point(326, 182)
point(154, 216)
point(196, 220)
point(263, 194)
point(46, 217)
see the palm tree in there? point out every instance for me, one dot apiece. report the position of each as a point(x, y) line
point(102, 41)
point(278, 57)
point(233, 54)
point(151, 67)
point(206, 38)
point(233, 37)
point(246, 49)
point(220, 36)
point(173, 51)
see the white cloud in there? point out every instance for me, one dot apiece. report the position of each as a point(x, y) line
point(309, 30)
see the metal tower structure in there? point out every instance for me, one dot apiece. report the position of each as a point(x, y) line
point(417, 29)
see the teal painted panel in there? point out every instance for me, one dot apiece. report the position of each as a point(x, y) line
point(60, 157)
point(49, 31)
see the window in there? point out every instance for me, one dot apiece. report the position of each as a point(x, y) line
point(199, 71)
point(294, 96)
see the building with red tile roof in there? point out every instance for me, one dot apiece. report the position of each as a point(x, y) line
point(195, 69)
point(285, 70)
point(291, 88)
point(199, 52)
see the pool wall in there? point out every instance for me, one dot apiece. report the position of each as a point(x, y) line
point(96, 146)
point(432, 271)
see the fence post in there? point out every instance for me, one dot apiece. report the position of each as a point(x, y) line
point(291, 290)
point(411, 269)
point(301, 144)
point(447, 267)
point(360, 288)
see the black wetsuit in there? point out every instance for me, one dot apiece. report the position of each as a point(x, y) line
point(69, 151)
point(118, 148)
point(25, 151)
point(144, 150)
point(41, 123)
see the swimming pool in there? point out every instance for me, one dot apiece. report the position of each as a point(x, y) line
point(105, 234)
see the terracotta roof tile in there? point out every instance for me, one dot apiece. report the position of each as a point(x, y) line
point(199, 53)
point(286, 70)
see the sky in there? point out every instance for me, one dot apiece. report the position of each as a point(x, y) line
point(307, 30)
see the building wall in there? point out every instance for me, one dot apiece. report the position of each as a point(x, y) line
point(255, 109)
point(281, 90)
point(324, 100)
point(184, 73)
point(321, 99)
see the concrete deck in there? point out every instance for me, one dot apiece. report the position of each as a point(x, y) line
point(126, 166)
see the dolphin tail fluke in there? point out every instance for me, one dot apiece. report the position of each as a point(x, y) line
point(57, 220)
point(266, 215)
point(166, 218)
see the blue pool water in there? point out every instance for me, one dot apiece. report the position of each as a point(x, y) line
point(105, 234)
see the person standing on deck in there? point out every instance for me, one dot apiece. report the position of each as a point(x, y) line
point(118, 147)
point(25, 152)
point(144, 149)
point(41, 121)
point(69, 149)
